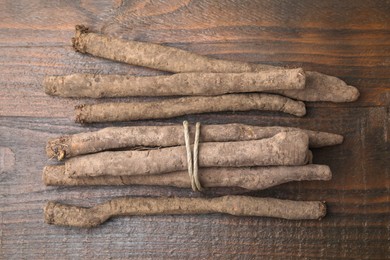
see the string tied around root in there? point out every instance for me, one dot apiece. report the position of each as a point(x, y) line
point(192, 159)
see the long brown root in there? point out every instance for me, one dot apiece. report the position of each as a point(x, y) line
point(66, 215)
point(251, 178)
point(111, 112)
point(181, 84)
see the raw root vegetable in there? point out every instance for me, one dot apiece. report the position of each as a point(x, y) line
point(321, 87)
point(181, 84)
point(67, 215)
point(111, 112)
point(165, 136)
point(154, 56)
point(318, 87)
point(286, 148)
point(251, 178)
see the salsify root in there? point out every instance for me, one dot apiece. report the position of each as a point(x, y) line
point(321, 87)
point(172, 135)
point(153, 55)
point(111, 112)
point(318, 87)
point(181, 84)
point(66, 215)
point(251, 178)
point(286, 148)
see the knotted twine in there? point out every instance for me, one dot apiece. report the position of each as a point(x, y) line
point(192, 160)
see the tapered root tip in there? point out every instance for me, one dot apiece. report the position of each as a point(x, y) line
point(296, 108)
point(338, 139)
point(339, 91)
point(342, 92)
point(353, 93)
point(327, 173)
point(301, 78)
point(316, 210)
point(321, 139)
point(322, 210)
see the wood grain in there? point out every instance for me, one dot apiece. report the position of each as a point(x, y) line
point(349, 39)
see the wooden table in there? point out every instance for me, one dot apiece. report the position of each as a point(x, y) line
point(348, 39)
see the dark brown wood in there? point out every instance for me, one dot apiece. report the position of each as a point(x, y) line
point(349, 39)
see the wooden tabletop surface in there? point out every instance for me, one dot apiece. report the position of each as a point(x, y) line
point(349, 39)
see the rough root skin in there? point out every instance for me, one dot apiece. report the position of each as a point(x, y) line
point(114, 112)
point(180, 84)
point(67, 215)
point(251, 178)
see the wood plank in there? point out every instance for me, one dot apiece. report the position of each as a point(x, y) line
point(348, 39)
point(173, 21)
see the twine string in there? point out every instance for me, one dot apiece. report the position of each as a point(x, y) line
point(195, 160)
point(192, 160)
